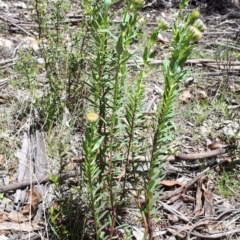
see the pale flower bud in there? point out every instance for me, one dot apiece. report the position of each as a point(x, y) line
point(199, 25)
point(195, 14)
point(163, 24)
point(92, 117)
point(140, 19)
point(194, 33)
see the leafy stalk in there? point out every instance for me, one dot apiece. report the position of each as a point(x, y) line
point(91, 170)
point(182, 46)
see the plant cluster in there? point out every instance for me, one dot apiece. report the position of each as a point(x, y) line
point(90, 74)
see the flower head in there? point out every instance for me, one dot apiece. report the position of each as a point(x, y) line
point(199, 25)
point(163, 25)
point(140, 19)
point(195, 14)
point(194, 33)
point(92, 117)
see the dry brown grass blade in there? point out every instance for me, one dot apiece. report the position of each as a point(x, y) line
point(18, 217)
point(198, 206)
point(208, 202)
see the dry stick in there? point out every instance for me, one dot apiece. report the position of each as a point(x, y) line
point(173, 211)
point(192, 156)
point(231, 15)
point(189, 61)
point(214, 219)
point(15, 186)
point(227, 45)
point(216, 235)
point(16, 25)
point(196, 156)
point(4, 82)
point(8, 60)
point(186, 186)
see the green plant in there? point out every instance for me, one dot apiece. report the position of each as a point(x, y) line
point(107, 99)
point(183, 36)
point(28, 68)
point(117, 131)
point(66, 214)
point(66, 217)
point(228, 184)
point(91, 171)
point(1, 196)
point(107, 82)
point(224, 57)
point(62, 52)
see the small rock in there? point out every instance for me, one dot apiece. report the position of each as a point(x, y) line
point(6, 48)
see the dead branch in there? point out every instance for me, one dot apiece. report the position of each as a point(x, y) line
point(231, 15)
point(216, 235)
point(174, 212)
point(167, 195)
point(196, 156)
point(21, 185)
point(15, 25)
point(206, 62)
point(213, 219)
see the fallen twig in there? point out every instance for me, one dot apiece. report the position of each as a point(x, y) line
point(206, 61)
point(216, 235)
point(173, 211)
point(213, 219)
point(167, 195)
point(21, 185)
point(202, 155)
point(196, 156)
point(16, 25)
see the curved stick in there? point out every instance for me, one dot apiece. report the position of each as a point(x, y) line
point(196, 156)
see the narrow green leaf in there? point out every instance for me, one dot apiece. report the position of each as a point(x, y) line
point(98, 143)
point(152, 55)
point(145, 55)
point(119, 46)
point(107, 4)
point(154, 37)
point(150, 206)
point(183, 4)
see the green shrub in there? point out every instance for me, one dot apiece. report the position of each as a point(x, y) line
point(92, 75)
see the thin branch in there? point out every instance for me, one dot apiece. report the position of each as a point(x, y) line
point(44, 179)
